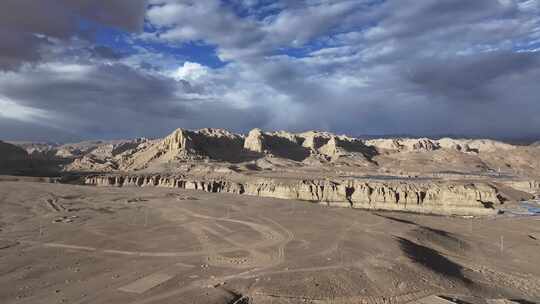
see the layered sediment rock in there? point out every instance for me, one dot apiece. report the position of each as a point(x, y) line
point(530, 186)
point(342, 146)
point(426, 144)
point(179, 144)
point(92, 163)
point(255, 141)
point(314, 140)
point(212, 143)
point(300, 146)
point(434, 197)
point(280, 144)
point(186, 145)
point(405, 144)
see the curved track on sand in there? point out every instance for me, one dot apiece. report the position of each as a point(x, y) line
point(269, 237)
point(272, 235)
point(260, 262)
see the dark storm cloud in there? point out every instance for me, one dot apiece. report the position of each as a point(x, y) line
point(493, 94)
point(115, 100)
point(70, 87)
point(18, 130)
point(475, 78)
point(105, 52)
point(25, 25)
point(480, 94)
point(94, 97)
point(18, 48)
point(431, 67)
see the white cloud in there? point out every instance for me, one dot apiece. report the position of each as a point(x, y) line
point(13, 110)
point(190, 71)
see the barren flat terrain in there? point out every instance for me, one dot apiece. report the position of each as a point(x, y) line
point(83, 244)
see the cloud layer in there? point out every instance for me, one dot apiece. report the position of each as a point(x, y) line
point(128, 68)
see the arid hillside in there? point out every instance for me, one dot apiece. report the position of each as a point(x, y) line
point(217, 150)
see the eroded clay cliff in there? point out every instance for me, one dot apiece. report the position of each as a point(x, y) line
point(433, 197)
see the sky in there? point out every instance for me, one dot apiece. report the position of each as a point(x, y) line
point(86, 69)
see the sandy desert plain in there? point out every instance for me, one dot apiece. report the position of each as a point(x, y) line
point(209, 216)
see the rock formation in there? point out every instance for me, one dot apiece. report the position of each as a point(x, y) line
point(405, 144)
point(277, 144)
point(255, 141)
point(433, 197)
point(342, 146)
point(92, 164)
point(180, 144)
point(425, 144)
point(302, 154)
point(528, 186)
point(314, 140)
point(300, 146)
point(186, 145)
